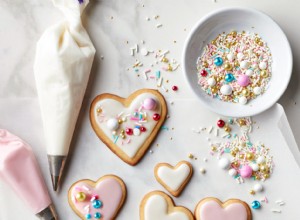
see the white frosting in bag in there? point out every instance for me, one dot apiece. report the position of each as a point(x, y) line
point(62, 67)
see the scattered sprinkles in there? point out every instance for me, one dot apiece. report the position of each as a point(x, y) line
point(235, 67)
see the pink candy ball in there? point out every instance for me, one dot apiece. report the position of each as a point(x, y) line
point(243, 80)
point(246, 171)
point(149, 104)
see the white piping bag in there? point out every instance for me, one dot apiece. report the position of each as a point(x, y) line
point(63, 62)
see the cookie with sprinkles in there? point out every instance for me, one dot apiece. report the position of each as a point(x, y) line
point(128, 126)
point(235, 67)
point(102, 199)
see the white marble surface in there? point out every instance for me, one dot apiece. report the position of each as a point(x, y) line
point(110, 24)
point(22, 22)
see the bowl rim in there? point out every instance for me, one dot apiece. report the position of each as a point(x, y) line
point(254, 111)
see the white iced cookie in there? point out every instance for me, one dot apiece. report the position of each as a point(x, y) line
point(173, 178)
point(128, 125)
point(157, 205)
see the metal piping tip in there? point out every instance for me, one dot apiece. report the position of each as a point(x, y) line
point(48, 213)
point(56, 165)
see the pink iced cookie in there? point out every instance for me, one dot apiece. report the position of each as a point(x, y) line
point(97, 200)
point(243, 80)
point(214, 209)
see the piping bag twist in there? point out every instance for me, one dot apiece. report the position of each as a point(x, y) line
point(20, 170)
point(63, 62)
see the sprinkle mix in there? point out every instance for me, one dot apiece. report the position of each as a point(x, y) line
point(247, 160)
point(82, 195)
point(235, 67)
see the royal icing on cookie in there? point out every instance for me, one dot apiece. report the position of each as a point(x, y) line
point(214, 209)
point(100, 200)
point(128, 126)
point(159, 206)
point(173, 178)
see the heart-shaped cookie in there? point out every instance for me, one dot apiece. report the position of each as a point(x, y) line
point(213, 209)
point(174, 179)
point(97, 200)
point(157, 205)
point(128, 125)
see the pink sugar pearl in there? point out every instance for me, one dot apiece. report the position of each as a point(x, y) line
point(246, 171)
point(149, 104)
point(243, 80)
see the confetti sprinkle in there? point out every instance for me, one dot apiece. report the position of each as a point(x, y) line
point(235, 67)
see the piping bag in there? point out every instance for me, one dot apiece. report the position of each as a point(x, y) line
point(63, 62)
point(20, 170)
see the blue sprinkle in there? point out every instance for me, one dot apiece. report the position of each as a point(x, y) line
point(136, 70)
point(88, 216)
point(255, 204)
point(157, 74)
point(97, 215)
point(97, 204)
point(116, 139)
point(164, 128)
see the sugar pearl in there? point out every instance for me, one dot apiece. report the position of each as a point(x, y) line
point(260, 159)
point(243, 80)
point(230, 57)
point(211, 82)
point(226, 90)
point(246, 171)
point(136, 132)
point(112, 124)
point(149, 104)
point(249, 72)
point(254, 167)
point(243, 100)
point(258, 187)
point(262, 65)
point(224, 163)
point(244, 64)
point(257, 90)
point(232, 172)
point(240, 56)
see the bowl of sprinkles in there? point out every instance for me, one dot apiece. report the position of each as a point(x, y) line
point(237, 61)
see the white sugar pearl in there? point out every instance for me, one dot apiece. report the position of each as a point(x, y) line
point(224, 163)
point(254, 167)
point(243, 100)
point(202, 170)
point(260, 159)
point(232, 172)
point(257, 90)
point(230, 56)
point(226, 90)
point(262, 65)
point(112, 124)
point(249, 72)
point(244, 64)
point(144, 51)
point(136, 132)
point(211, 82)
point(240, 56)
point(258, 187)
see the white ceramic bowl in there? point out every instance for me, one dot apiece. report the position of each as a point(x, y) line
point(239, 19)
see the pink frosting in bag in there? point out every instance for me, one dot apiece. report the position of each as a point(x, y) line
point(20, 170)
